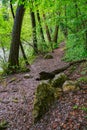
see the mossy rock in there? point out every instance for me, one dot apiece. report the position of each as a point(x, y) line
point(44, 97)
point(48, 56)
point(70, 86)
point(3, 125)
point(57, 93)
point(58, 80)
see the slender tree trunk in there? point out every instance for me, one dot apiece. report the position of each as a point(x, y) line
point(34, 31)
point(14, 49)
point(12, 11)
point(66, 29)
point(56, 34)
point(23, 53)
point(41, 30)
point(47, 30)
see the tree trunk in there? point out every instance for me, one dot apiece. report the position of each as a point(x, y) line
point(66, 21)
point(34, 31)
point(56, 34)
point(47, 30)
point(41, 30)
point(14, 49)
point(22, 49)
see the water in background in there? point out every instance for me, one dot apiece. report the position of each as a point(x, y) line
point(3, 57)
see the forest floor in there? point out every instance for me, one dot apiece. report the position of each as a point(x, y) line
point(17, 94)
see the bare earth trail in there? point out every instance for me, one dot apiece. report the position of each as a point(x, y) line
point(17, 93)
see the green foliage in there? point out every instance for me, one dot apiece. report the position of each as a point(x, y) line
point(5, 30)
point(70, 16)
point(76, 42)
point(61, 38)
point(4, 66)
point(83, 79)
point(75, 107)
point(83, 108)
point(5, 36)
point(75, 48)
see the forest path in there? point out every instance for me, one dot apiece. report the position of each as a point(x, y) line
point(17, 92)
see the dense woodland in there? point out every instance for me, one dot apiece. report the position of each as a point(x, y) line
point(37, 27)
point(43, 40)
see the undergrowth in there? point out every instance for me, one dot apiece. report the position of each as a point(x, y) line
point(75, 49)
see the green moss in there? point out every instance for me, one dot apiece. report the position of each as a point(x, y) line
point(83, 79)
point(72, 69)
point(44, 97)
point(70, 86)
point(3, 125)
point(59, 80)
point(58, 92)
point(46, 93)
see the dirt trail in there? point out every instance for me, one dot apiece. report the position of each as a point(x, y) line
point(17, 92)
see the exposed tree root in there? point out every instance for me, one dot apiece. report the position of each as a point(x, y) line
point(50, 75)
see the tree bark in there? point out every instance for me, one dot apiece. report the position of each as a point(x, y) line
point(56, 33)
point(47, 29)
point(41, 30)
point(14, 48)
point(22, 49)
point(34, 31)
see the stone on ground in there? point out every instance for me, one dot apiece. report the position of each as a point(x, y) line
point(70, 86)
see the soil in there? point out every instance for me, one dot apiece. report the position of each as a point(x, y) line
point(17, 94)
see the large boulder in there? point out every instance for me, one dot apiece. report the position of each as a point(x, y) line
point(58, 80)
point(44, 97)
point(70, 86)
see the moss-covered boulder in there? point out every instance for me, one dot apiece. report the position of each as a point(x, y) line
point(44, 97)
point(70, 86)
point(48, 56)
point(58, 80)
